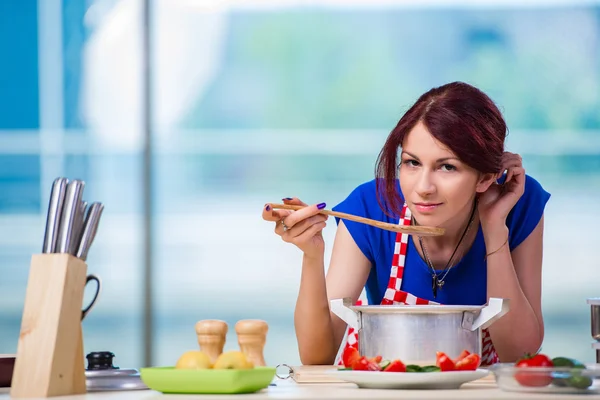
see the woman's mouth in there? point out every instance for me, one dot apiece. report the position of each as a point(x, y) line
point(426, 207)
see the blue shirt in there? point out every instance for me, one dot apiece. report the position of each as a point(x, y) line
point(466, 282)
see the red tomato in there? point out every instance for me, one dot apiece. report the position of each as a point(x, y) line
point(532, 378)
point(376, 359)
point(362, 364)
point(444, 362)
point(395, 366)
point(468, 363)
point(350, 356)
point(461, 356)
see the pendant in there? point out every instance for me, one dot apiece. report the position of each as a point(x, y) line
point(434, 285)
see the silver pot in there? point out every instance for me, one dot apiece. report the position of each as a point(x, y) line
point(414, 334)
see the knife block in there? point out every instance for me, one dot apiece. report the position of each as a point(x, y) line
point(50, 358)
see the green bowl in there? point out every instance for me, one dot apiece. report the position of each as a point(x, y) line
point(207, 381)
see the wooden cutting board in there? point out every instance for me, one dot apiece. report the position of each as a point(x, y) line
point(312, 374)
point(316, 374)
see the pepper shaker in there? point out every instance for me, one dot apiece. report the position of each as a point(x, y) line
point(211, 337)
point(252, 335)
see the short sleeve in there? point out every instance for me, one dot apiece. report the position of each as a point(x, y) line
point(528, 211)
point(362, 201)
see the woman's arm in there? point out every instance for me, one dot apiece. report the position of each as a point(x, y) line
point(318, 331)
point(518, 277)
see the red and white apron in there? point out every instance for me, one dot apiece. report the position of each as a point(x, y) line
point(393, 294)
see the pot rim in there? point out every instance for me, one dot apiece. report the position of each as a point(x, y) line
point(415, 309)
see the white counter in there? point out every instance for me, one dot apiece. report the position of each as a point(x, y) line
point(290, 390)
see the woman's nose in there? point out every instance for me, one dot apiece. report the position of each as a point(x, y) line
point(425, 185)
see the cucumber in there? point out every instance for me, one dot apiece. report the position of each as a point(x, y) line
point(431, 368)
point(575, 380)
point(384, 364)
point(579, 381)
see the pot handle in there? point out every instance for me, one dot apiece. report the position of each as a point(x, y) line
point(489, 314)
point(340, 307)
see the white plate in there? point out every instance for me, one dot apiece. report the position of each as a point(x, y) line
point(408, 380)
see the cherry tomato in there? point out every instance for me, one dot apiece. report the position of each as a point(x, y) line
point(395, 366)
point(532, 378)
point(350, 356)
point(444, 362)
point(468, 363)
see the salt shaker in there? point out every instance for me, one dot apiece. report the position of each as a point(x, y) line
point(252, 335)
point(211, 337)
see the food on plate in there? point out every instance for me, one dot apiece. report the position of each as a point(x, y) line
point(193, 360)
point(352, 360)
point(233, 360)
point(561, 377)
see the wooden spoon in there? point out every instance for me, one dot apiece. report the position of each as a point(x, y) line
point(417, 230)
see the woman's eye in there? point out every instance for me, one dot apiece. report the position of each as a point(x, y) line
point(411, 163)
point(448, 167)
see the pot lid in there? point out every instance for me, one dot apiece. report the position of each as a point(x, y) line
point(102, 375)
point(594, 301)
point(416, 309)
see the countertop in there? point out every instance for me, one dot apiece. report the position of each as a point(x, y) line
point(288, 389)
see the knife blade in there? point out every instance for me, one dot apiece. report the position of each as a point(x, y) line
point(67, 222)
point(55, 206)
point(78, 227)
point(90, 228)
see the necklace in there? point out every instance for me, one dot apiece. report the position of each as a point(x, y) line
point(436, 282)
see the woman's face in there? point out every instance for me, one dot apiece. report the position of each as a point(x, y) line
point(437, 187)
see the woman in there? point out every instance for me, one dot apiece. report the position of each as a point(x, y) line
point(452, 172)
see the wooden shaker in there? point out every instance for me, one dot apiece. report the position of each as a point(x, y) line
point(211, 337)
point(252, 335)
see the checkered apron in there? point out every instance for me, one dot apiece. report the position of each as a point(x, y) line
point(393, 295)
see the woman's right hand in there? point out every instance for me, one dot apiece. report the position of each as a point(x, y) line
point(302, 228)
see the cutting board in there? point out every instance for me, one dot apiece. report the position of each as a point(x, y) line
point(316, 374)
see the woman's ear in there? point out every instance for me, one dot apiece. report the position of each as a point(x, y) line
point(484, 182)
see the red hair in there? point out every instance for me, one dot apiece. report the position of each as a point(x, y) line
point(458, 115)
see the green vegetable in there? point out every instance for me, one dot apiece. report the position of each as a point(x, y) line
point(413, 368)
point(566, 362)
point(344, 369)
point(575, 379)
point(384, 364)
point(427, 368)
point(580, 382)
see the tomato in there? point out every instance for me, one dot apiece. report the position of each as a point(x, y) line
point(532, 378)
point(376, 359)
point(461, 356)
point(362, 364)
point(444, 362)
point(468, 363)
point(350, 356)
point(395, 366)
point(373, 366)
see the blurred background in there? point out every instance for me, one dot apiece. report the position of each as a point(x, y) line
point(185, 116)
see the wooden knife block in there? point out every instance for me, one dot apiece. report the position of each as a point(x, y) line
point(50, 358)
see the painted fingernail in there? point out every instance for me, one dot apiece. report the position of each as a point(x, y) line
point(287, 198)
point(321, 206)
point(268, 208)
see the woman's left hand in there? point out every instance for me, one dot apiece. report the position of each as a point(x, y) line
point(497, 201)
